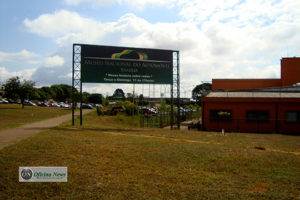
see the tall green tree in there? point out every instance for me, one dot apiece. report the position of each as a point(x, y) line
point(119, 94)
point(62, 92)
point(48, 92)
point(95, 98)
point(11, 88)
point(142, 101)
point(15, 88)
point(200, 90)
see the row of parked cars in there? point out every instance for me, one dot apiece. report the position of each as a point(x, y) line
point(54, 104)
point(50, 104)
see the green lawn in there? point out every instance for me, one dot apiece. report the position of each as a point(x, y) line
point(109, 158)
point(12, 115)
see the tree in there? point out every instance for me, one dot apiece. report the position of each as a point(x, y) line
point(200, 90)
point(11, 88)
point(35, 95)
point(95, 98)
point(119, 94)
point(62, 92)
point(85, 96)
point(26, 90)
point(163, 106)
point(142, 101)
point(49, 93)
point(59, 93)
point(16, 88)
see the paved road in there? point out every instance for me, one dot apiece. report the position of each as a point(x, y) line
point(12, 136)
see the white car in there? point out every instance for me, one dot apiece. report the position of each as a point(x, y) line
point(3, 101)
point(29, 103)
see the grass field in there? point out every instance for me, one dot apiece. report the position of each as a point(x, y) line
point(109, 158)
point(12, 115)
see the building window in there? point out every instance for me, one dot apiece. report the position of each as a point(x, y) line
point(292, 116)
point(220, 115)
point(257, 115)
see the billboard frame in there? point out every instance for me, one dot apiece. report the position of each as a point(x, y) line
point(77, 60)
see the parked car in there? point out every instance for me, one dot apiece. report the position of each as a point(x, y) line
point(3, 101)
point(11, 101)
point(53, 105)
point(86, 106)
point(43, 104)
point(64, 105)
point(148, 111)
point(29, 103)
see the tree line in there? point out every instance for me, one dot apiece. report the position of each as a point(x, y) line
point(16, 88)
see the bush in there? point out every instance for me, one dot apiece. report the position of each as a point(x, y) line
point(164, 107)
point(129, 108)
point(100, 111)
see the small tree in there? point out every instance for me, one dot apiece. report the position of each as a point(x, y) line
point(200, 90)
point(143, 101)
point(119, 94)
point(16, 88)
point(164, 107)
point(11, 88)
point(26, 90)
point(95, 98)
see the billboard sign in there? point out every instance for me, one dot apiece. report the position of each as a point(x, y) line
point(107, 64)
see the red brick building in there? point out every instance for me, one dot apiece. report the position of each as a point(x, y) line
point(255, 105)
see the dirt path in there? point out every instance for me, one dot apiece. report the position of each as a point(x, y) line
point(12, 136)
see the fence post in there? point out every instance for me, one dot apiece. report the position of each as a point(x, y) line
point(147, 120)
point(160, 120)
point(142, 120)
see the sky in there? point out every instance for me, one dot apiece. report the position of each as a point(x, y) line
point(215, 38)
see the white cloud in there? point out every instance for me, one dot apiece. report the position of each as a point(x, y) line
point(54, 61)
point(240, 13)
point(59, 23)
point(217, 38)
point(5, 74)
point(21, 55)
point(139, 4)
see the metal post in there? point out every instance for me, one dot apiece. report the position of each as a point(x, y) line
point(72, 94)
point(178, 92)
point(80, 103)
point(172, 111)
point(175, 88)
point(76, 76)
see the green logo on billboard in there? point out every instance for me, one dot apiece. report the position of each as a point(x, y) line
point(130, 54)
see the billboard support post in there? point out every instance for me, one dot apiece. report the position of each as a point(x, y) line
point(175, 90)
point(178, 90)
point(172, 108)
point(76, 77)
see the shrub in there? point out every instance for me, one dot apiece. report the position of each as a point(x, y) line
point(100, 111)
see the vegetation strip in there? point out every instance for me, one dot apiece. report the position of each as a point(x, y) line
point(190, 141)
point(160, 137)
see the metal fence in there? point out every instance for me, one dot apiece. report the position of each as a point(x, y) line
point(163, 119)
